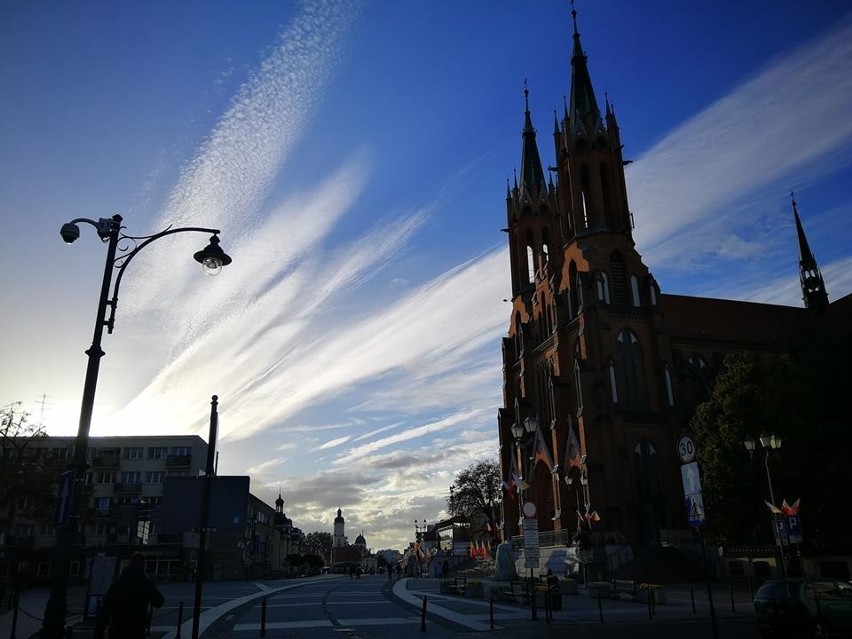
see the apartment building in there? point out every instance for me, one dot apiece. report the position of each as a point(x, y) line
point(122, 508)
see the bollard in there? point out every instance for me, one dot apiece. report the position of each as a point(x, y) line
point(692, 595)
point(180, 620)
point(263, 618)
point(650, 614)
point(733, 605)
point(16, 602)
point(547, 611)
point(600, 606)
point(491, 611)
point(423, 616)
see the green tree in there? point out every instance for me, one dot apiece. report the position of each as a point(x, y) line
point(475, 495)
point(799, 396)
point(318, 543)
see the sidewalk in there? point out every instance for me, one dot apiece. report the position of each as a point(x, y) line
point(31, 611)
point(475, 613)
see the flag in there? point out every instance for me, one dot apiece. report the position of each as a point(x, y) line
point(594, 516)
point(773, 509)
point(789, 510)
point(506, 485)
point(516, 479)
point(524, 484)
point(572, 448)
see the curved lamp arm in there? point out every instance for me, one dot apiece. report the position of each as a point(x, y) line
point(212, 258)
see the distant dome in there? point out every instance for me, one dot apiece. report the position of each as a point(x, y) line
point(360, 541)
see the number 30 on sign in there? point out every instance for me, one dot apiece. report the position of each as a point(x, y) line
point(686, 449)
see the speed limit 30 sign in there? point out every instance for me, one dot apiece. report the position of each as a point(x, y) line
point(686, 449)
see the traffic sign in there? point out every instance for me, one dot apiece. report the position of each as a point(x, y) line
point(686, 449)
point(693, 499)
point(65, 498)
point(532, 553)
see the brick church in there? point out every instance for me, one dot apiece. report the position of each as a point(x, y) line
point(602, 371)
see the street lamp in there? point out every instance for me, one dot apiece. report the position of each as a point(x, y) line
point(524, 433)
point(121, 249)
point(769, 442)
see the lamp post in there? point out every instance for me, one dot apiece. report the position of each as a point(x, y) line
point(523, 434)
point(769, 442)
point(121, 249)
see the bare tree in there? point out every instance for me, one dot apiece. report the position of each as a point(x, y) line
point(28, 473)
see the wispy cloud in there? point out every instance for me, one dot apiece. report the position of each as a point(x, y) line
point(781, 125)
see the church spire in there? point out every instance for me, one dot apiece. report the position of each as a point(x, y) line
point(532, 175)
point(813, 286)
point(583, 103)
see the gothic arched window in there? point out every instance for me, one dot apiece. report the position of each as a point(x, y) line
point(573, 291)
point(630, 371)
point(634, 290)
point(618, 270)
point(602, 286)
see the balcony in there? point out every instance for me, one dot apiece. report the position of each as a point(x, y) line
point(106, 461)
point(126, 487)
point(178, 461)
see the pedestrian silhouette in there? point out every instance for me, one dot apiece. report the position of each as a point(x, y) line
point(126, 604)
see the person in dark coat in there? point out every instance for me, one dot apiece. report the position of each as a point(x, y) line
point(126, 604)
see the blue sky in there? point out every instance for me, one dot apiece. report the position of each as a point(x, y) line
point(355, 156)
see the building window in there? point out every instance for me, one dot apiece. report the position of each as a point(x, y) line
point(180, 451)
point(578, 382)
point(574, 283)
point(619, 279)
point(634, 290)
point(131, 477)
point(585, 190)
point(629, 367)
point(602, 284)
point(157, 452)
point(103, 503)
point(178, 472)
point(154, 476)
point(101, 529)
point(103, 477)
point(667, 374)
point(133, 452)
point(612, 383)
point(530, 264)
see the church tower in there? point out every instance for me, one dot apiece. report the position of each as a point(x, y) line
point(813, 286)
point(339, 536)
point(584, 364)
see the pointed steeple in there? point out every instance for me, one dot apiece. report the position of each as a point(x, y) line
point(813, 286)
point(532, 175)
point(583, 102)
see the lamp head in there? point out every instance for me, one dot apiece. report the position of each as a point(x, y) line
point(765, 440)
point(212, 258)
point(531, 423)
point(749, 444)
point(517, 430)
point(69, 232)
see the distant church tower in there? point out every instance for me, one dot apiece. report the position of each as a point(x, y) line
point(339, 537)
point(813, 286)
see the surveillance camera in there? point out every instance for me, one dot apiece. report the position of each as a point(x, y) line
point(69, 232)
